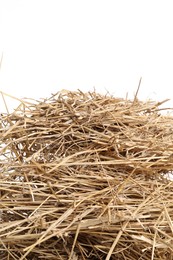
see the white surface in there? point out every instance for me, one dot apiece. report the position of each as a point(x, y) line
point(49, 45)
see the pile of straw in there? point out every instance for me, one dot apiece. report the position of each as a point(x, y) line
point(84, 176)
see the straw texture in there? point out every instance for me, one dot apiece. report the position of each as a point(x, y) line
point(84, 176)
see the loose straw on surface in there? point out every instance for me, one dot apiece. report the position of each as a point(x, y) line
point(84, 176)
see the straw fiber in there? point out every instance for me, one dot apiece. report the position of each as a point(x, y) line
point(85, 176)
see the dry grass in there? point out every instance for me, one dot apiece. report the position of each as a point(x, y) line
point(83, 177)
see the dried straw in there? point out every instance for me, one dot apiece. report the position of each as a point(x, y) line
point(83, 176)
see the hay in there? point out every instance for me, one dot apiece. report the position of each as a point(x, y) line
point(83, 176)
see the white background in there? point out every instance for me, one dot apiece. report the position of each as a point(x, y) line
point(49, 45)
